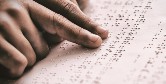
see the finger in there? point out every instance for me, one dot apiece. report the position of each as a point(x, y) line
point(55, 23)
point(36, 40)
point(14, 36)
point(31, 33)
point(11, 60)
point(74, 14)
point(22, 18)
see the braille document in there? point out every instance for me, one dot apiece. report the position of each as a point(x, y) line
point(134, 52)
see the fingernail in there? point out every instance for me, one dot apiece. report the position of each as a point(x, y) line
point(103, 33)
point(96, 41)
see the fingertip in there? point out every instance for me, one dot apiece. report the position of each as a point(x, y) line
point(96, 41)
point(103, 33)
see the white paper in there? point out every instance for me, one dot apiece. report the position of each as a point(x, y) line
point(134, 53)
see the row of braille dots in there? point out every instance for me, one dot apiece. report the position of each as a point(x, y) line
point(82, 67)
point(143, 74)
point(88, 78)
point(157, 35)
point(52, 74)
point(136, 11)
point(106, 54)
point(86, 64)
point(155, 38)
point(41, 77)
point(118, 53)
point(141, 19)
point(126, 41)
point(146, 73)
point(120, 18)
point(117, 50)
point(135, 27)
point(78, 68)
point(150, 63)
point(127, 3)
point(161, 47)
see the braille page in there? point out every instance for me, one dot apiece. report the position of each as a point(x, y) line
point(134, 53)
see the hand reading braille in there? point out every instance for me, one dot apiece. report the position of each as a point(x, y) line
point(28, 27)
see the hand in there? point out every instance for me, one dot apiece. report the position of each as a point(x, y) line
point(65, 14)
point(20, 40)
point(21, 21)
point(54, 39)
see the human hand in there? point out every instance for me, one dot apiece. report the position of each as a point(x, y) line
point(21, 41)
point(54, 39)
point(70, 13)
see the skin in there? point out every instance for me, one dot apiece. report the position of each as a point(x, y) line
point(29, 27)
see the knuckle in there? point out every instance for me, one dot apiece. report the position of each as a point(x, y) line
point(29, 54)
point(75, 32)
point(31, 59)
point(14, 10)
point(79, 32)
point(4, 22)
point(53, 18)
point(93, 25)
point(13, 6)
point(18, 69)
point(88, 21)
point(58, 20)
point(71, 7)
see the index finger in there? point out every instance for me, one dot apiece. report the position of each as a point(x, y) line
point(56, 23)
point(74, 14)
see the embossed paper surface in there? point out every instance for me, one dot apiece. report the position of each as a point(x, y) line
point(134, 53)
